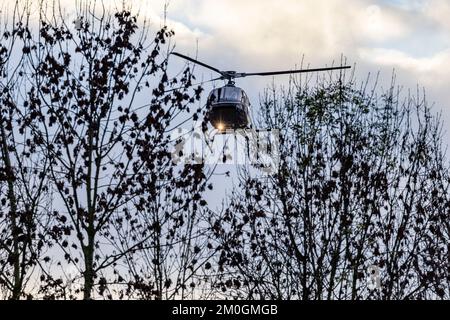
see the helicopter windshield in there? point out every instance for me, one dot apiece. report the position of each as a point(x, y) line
point(226, 94)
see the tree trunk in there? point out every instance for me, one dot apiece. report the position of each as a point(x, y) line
point(89, 268)
point(17, 281)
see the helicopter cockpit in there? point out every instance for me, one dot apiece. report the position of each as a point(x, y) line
point(229, 108)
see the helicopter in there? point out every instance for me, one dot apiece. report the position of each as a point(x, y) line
point(229, 106)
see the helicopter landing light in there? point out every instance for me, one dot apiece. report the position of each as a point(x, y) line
point(220, 126)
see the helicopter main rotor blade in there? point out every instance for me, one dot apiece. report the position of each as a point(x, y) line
point(197, 62)
point(193, 85)
point(273, 73)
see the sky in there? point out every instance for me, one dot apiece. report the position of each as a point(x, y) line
point(411, 37)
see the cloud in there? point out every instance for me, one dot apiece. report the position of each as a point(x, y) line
point(262, 33)
point(392, 57)
point(381, 24)
point(412, 36)
point(439, 12)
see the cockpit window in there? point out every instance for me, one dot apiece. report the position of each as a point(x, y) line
point(232, 94)
point(226, 94)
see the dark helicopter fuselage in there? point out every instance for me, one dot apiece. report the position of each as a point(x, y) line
point(229, 108)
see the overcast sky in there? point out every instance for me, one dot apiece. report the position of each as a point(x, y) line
point(410, 36)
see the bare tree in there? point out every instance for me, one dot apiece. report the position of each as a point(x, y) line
point(100, 106)
point(362, 184)
point(23, 185)
point(173, 232)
